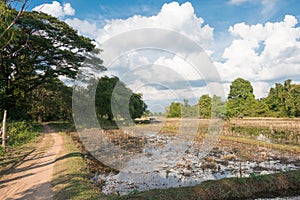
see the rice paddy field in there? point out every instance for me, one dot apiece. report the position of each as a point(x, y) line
point(174, 153)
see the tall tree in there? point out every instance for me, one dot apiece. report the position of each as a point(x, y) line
point(241, 100)
point(174, 110)
point(42, 48)
point(204, 103)
point(114, 99)
point(283, 100)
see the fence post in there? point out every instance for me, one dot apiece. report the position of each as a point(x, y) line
point(4, 129)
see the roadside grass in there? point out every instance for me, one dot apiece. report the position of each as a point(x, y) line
point(70, 180)
point(276, 185)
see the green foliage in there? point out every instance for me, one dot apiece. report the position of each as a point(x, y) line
point(38, 49)
point(137, 107)
point(21, 132)
point(174, 110)
point(241, 100)
point(204, 103)
point(188, 110)
point(114, 99)
point(50, 101)
point(284, 100)
point(2, 151)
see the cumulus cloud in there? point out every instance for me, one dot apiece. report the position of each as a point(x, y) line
point(172, 16)
point(85, 27)
point(263, 52)
point(167, 62)
point(56, 9)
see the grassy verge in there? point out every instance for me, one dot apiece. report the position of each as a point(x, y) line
point(70, 179)
point(282, 184)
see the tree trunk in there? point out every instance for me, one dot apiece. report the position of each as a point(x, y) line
point(40, 119)
point(4, 129)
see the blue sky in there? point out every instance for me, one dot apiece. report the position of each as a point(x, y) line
point(258, 40)
point(219, 13)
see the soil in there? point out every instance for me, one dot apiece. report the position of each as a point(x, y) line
point(31, 179)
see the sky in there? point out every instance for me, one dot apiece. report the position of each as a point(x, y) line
point(171, 50)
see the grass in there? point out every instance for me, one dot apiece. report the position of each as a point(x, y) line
point(282, 147)
point(281, 184)
point(70, 180)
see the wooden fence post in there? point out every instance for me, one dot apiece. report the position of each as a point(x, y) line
point(4, 129)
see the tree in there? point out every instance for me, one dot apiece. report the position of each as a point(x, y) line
point(174, 110)
point(50, 101)
point(204, 103)
point(114, 99)
point(241, 100)
point(283, 100)
point(7, 20)
point(41, 49)
point(137, 106)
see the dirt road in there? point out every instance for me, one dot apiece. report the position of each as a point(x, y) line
point(32, 178)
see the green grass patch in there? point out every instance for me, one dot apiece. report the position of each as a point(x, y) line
point(70, 180)
point(22, 132)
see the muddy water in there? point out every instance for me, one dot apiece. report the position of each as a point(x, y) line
point(175, 161)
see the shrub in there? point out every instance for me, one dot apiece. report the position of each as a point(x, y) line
point(21, 132)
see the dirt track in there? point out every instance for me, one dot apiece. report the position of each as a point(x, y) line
point(32, 178)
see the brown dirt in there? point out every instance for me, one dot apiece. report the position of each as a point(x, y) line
point(31, 179)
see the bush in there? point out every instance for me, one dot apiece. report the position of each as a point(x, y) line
point(21, 132)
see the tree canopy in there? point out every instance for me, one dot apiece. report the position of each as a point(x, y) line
point(241, 100)
point(37, 49)
point(174, 110)
point(113, 99)
point(205, 106)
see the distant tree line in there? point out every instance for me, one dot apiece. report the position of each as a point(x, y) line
point(282, 101)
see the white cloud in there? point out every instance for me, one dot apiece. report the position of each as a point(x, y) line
point(172, 16)
point(56, 9)
point(68, 10)
point(263, 53)
point(237, 2)
point(84, 27)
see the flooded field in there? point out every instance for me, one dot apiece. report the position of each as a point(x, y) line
point(150, 156)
